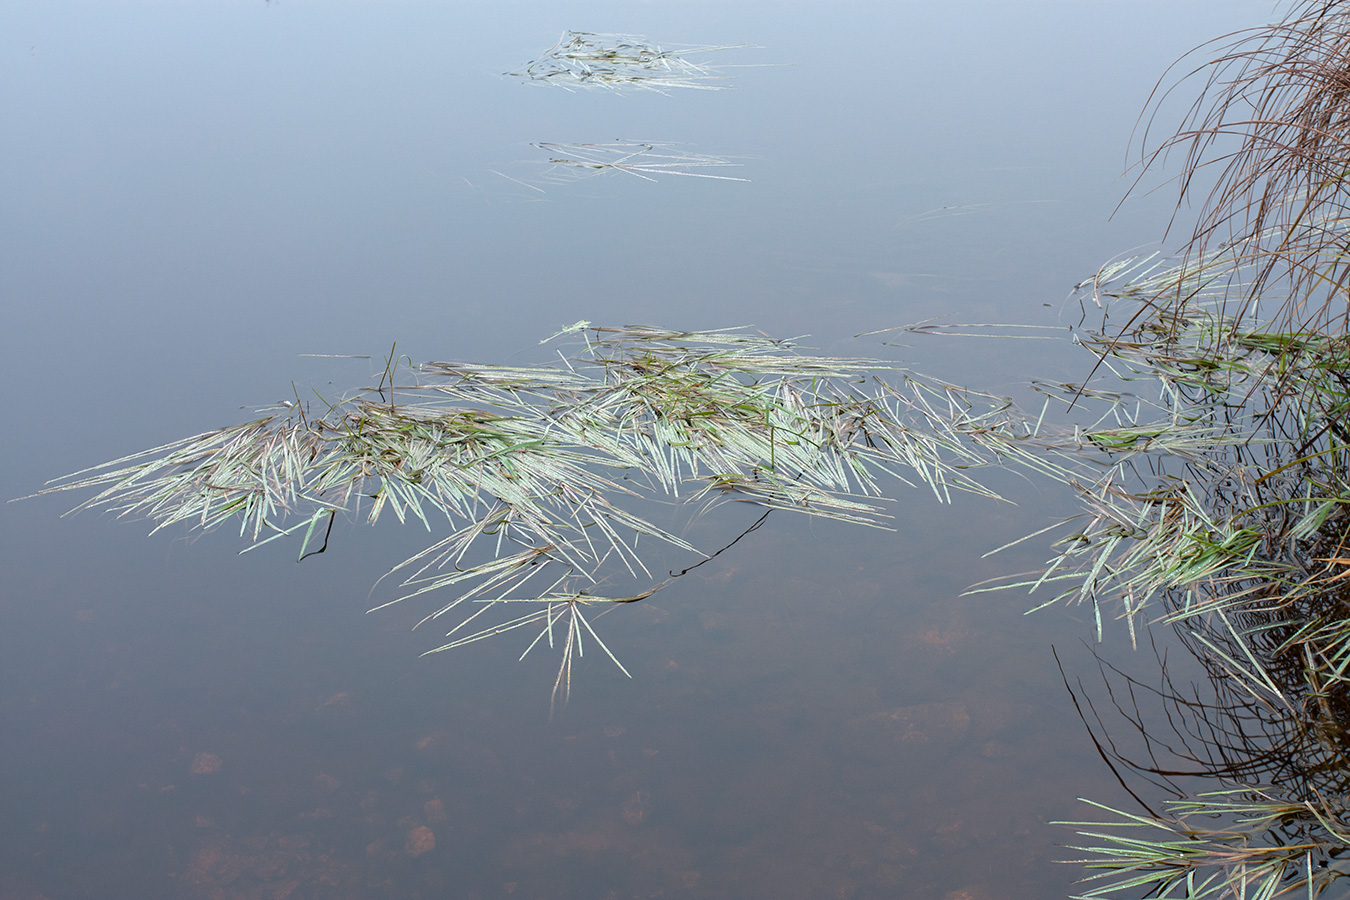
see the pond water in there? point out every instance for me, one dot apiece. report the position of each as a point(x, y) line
point(195, 196)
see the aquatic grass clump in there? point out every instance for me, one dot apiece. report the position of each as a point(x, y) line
point(620, 61)
point(1217, 402)
point(1247, 420)
point(538, 470)
point(1226, 515)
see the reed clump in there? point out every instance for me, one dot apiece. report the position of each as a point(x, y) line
point(1238, 535)
point(1227, 517)
point(1266, 151)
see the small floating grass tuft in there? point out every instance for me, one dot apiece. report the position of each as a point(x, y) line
point(642, 159)
point(621, 61)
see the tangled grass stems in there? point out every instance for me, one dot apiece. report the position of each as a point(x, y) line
point(1222, 508)
point(1277, 825)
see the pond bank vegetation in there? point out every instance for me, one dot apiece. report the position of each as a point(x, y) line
point(1242, 543)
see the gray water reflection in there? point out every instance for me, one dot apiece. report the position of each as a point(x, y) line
point(194, 196)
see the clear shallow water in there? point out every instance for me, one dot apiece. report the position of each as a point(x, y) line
point(193, 197)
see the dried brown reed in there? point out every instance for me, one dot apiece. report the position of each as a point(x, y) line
point(1266, 155)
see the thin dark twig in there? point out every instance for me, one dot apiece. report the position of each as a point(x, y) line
point(754, 527)
point(331, 516)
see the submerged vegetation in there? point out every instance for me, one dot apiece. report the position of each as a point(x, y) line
point(1209, 447)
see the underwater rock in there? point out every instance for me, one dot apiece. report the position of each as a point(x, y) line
point(205, 764)
point(420, 840)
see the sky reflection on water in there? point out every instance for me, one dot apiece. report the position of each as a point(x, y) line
point(195, 196)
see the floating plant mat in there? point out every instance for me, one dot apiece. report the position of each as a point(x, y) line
point(620, 61)
point(643, 159)
point(537, 471)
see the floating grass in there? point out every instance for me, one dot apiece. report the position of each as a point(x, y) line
point(641, 159)
point(539, 473)
point(622, 62)
point(1188, 857)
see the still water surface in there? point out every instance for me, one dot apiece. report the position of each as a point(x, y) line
point(196, 195)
